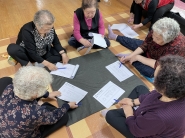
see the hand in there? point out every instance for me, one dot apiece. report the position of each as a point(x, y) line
point(125, 58)
point(86, 43)
point(51, 66)
point(40, 102)
point(125, 101)
point(128, 110)
point(73, 105)
point(65, 58)
point(136, 26)
point(134, 58)
point(54, 94)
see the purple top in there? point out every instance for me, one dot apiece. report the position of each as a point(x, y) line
point(22, 119)
point(157, 119)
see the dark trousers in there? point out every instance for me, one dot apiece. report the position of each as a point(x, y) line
point(159, 13)
point(133, 44)
point(5, 81)
point(74, 43)
point(21, 55)
point(46, 130)
point(116, 118)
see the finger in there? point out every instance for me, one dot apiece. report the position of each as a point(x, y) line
point(121, 59)
point(55, 99)
point(57, 94)
point(64, 62)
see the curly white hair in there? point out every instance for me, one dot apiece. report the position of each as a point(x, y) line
point(168, 28)
point(31, 81)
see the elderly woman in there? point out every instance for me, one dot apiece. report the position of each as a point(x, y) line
point(163, 40)
point(22, 114)
point(38, 42)
point(161, 112)
point(87, 19)
point(155, 10)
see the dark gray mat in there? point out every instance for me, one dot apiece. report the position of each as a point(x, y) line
point(91, 77)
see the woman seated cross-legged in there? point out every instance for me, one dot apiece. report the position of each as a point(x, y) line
point(165, 38)
point(22, 112)
point(161, 112)
point(87, 19)
point(38, 42)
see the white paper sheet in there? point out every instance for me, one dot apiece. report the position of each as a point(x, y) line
point(175, 9)
point(98, 40)
point(108, 93)
point(71, 93)
point(69, 72)
point(120, 72)
point(125, 30)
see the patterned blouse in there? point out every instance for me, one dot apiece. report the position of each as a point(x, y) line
point(22, 119)
point(42, 44)
point(37, 46)
point(155, 51)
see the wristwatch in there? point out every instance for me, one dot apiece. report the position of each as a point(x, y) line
point(133, 103)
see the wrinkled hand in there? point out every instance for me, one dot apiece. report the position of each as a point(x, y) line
point(40, 102)
point(125, 101)
point(54, 94)
point(65, 58)
point(73, 105)
point(86, 43)
point(125, 59)
point(134, 58)
point(51, 67)
point(136, 26)
point(128, 110)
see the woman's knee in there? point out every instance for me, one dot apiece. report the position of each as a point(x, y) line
point(12, 49)
point(71, 41)
point(65, 118)
point(109, 116)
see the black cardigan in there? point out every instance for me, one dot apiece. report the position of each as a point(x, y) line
point(25, 35)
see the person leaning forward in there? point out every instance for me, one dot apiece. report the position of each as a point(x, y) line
point(23, 114)
point(164, 39)
point(38, 42)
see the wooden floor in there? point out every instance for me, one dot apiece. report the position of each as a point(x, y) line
point(16, 13)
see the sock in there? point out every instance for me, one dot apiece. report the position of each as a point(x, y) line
point(104, 112)
point(111, 35)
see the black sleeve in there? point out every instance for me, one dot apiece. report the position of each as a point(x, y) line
point(151, 10)
point(30, 45)
point(56, 43)
point(132, 7)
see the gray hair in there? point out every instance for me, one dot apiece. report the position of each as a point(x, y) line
point(31, 81)
point(89, 4)
point(43, 17)
point(168, 28)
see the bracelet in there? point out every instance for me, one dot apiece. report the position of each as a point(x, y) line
point(133, 103)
